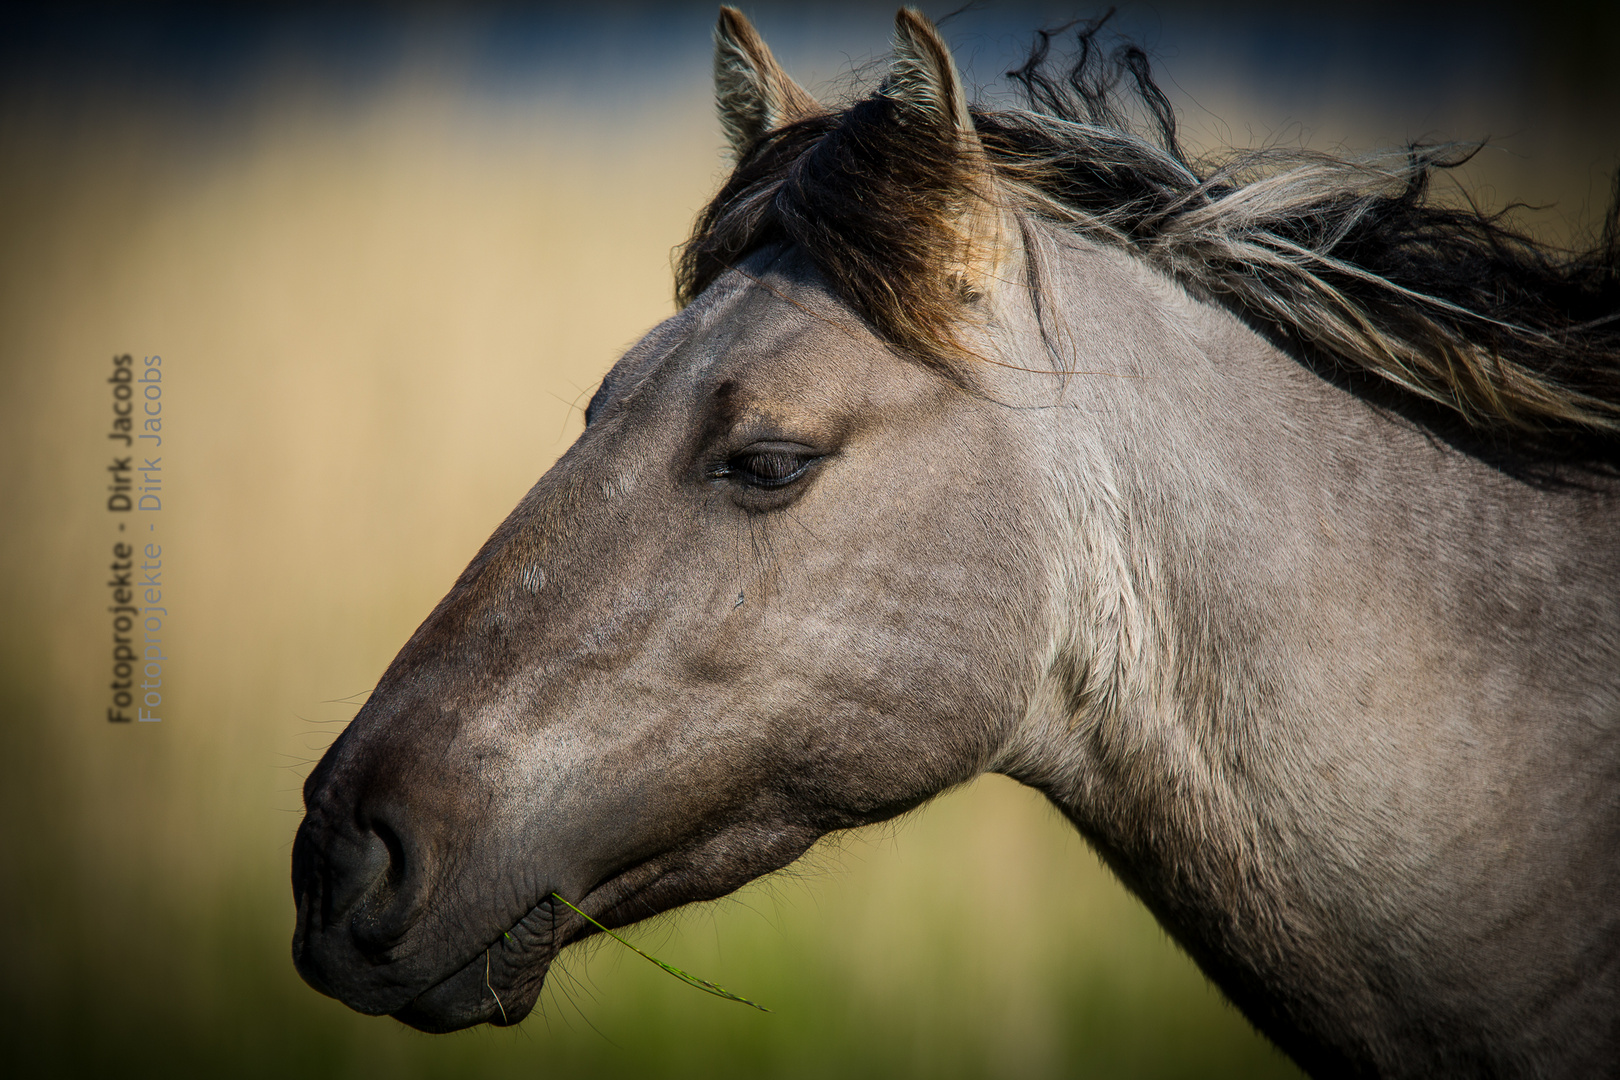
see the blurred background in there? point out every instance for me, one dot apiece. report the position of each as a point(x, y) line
point(385, 254)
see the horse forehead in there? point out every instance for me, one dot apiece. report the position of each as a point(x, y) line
point(770, 331)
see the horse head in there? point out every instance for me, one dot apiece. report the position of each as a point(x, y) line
point(765, 595)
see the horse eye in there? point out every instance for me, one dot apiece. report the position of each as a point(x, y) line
point(768, 468)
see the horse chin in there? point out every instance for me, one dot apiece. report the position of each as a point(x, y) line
point(477, 994)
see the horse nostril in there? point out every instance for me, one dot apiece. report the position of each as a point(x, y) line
point(386, 908)
point(394, 873)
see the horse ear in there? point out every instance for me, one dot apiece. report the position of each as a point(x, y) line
point(923, 76)
point(755, 96)
point(927, 89)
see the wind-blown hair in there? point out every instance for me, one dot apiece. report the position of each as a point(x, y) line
point(1352, 261)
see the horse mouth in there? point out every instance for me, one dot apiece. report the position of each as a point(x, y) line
point(500, 986)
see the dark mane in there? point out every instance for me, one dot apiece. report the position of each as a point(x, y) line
point(1351, 260)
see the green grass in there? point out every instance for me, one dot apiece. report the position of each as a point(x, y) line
point(684, 976)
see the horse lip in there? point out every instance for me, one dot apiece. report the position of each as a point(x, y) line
point(372, 997)
point(327, 958)
point(501, 985)
point(498, 986)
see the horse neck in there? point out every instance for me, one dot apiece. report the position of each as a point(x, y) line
point(1180, 465)
point(1182, 456)
point(1264, 621)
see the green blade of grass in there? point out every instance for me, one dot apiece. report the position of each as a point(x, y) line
point(686, 977)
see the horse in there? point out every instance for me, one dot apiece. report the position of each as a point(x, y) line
point(1260, 511)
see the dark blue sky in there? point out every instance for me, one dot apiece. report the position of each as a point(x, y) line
point(1541, 81)
point(1557, 48)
